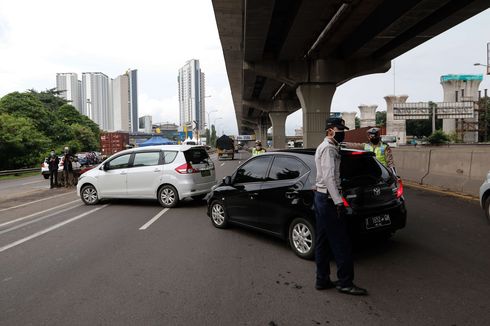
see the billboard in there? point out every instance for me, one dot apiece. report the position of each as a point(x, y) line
point(444, 110)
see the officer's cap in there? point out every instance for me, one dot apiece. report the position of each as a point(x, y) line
point(336, 122)
point(373, 131)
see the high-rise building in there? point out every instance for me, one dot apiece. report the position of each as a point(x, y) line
point(69, 87)
point(96, 104)
point(145, 124)
point(125, 101)
point(191, 85)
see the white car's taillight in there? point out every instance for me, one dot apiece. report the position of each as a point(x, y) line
point(186, 168)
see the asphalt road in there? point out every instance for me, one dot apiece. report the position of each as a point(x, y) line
point(63, 263)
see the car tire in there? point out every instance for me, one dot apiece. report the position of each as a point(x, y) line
point(487, 208)
point(219, 218)
point(302, 238)
point(89, 195)
point(46, 176)
point(168, 196)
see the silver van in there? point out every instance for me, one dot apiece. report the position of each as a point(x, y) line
point(168, 173)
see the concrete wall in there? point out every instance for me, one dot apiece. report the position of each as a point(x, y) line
point(461, 169)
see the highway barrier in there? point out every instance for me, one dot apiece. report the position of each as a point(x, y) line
point(457, 168)
point(19, 171)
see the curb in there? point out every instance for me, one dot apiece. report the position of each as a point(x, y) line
point(438, 190)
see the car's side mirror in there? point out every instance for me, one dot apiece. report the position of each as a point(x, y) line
point(227, 180)
point(105, 167)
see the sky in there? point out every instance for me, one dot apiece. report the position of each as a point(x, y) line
point(41, 38)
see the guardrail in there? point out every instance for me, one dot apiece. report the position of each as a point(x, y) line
point(19, 171)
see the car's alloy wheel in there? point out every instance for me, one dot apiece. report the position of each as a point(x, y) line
point(168, 196)
point(302, 238)
point(218, 215)
point(89, 195)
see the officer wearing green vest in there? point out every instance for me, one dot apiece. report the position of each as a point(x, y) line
point(380, 149)
point(258, 149)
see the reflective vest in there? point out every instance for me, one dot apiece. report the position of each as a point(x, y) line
point(257, 152)
point(379, 151)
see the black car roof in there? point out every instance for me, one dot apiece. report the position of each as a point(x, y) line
point(311, 151)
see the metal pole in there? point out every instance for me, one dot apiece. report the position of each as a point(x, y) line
point(433, 105)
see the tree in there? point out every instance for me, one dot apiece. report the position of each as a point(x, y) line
point(50, 98)
point(358, 122)
point(84, 137)
point(381, 118)
point(208, 136)
point(212, 141)
point(438, 137)
point(21, 144)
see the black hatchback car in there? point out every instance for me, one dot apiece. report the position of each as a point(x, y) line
point(273, 193)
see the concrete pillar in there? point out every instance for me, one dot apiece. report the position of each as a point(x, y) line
point(394, 127)
point(350, 119)
point(278, 119)
point(315, 100)
point(368, 115)
point(455, 83)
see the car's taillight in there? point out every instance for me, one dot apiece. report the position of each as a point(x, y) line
point(399, 190)
point(186, 169)
point(346, 204)
point(357, 153)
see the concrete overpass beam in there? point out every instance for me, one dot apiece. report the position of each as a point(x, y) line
point(315, 100)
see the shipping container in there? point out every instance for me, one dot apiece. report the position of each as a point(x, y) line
point(113, 142)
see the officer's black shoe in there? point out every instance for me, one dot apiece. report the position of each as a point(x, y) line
point(325, 285)
point(353, 289)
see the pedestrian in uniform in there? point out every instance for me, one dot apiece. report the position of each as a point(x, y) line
point(258, 149)
point(53, 163)
point(331, 226)
point(67, 167)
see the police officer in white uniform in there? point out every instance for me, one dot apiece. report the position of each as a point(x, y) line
point(331, 226)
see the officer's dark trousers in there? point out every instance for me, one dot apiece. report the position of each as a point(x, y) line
point(53, 174)
point(332, 231)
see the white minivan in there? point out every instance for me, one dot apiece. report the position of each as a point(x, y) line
point(168, 173)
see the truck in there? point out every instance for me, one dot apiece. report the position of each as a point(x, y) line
point(113, 142)
point(226, 147)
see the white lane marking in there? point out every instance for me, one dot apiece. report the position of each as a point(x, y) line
point(38, 219)
point(35, 201)
point(29, 183)
point(156, 217)
point(51, 228)
point(222, 164)
point(37, 213)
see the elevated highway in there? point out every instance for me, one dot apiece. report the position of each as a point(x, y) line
point(291, 54)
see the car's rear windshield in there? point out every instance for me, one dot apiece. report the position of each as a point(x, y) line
point(361, 170)
point(196, 156)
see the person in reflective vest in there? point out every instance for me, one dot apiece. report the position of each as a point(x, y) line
point(258, 149)
point(381, 150)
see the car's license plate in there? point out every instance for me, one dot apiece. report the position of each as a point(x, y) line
point(205, 173)
point(374, 222)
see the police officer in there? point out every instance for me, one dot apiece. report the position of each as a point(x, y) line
point(331, 227)
point(258, 149)
point(53, 163)
point(381, 150)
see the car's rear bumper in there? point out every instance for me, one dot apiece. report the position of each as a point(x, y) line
point(194, 189)
point(397, 214)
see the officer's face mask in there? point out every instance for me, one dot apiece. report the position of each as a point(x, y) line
point(374, 139)
point(52, 153)
point(339, 136)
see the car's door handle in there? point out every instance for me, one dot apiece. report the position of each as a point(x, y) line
point(157, 170)
point(253, 195)
point(123, 173)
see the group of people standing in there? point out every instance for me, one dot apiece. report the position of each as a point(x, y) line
point(66, 178)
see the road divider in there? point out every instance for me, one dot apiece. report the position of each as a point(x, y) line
point(154, 218)
point(51, 228)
